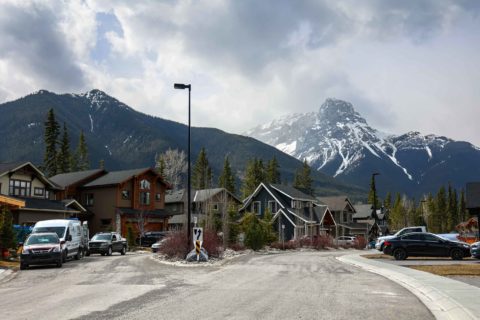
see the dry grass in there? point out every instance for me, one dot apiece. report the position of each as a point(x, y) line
point(377, 256)
point(9, 264)
point(451, 270)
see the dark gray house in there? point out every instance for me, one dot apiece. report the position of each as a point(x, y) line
point(295, 214)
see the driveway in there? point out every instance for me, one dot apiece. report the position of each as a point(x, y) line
point(296, 285)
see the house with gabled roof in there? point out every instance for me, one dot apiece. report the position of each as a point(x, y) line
point(32, 196)
point(73, 181)
point(133, 197)
point(295, 214)
point(344, 211)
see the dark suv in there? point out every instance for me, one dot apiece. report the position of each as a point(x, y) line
point(106, 243)
point(424, 244)
point(151, 237)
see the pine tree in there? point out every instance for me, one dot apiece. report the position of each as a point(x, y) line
point(202, 173)
point(373, 191)
point(387, 203)
point(81, 162)
point(462, 207)
point(397, 214)
point(161, 167)
point(272, 174)
point(52, 130)
point(452, 209)
point(441, 210)
point(226, 179)
point(303, 179)
point(7, 233)
point(254, 175)
point(64, 156)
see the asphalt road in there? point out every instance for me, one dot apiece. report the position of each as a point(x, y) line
point(297, 285)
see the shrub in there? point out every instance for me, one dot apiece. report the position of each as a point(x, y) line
point(361, 243)
point(7, 233)
point(212, 243)
point(287, 245)
point(322, 242)
point(258, 232)
point(237, 247)
point(175, 245)
point(130, 236)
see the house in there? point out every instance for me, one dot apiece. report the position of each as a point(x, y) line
point(204, 202)
point(343, 211)
point(118, 198)
point(176, 203)
point(33, 197)
point(378, 224)
point(295, 214)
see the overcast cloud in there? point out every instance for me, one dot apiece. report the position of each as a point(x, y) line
point(405, 65)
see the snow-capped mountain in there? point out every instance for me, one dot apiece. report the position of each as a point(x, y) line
point(338, 141)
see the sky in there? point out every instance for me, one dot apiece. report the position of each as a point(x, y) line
point(410, 65)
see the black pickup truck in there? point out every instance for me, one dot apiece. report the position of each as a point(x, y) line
point(106, 243)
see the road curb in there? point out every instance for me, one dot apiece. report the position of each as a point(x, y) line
point(442, 296)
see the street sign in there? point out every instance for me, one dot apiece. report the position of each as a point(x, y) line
point(197, 234)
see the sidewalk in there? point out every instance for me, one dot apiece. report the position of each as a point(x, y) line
point(445, 298)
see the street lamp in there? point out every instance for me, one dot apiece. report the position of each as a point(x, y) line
point(374, 196)
point(182, 86)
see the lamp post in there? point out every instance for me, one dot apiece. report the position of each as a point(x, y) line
point(374, 196)
point(182, 86)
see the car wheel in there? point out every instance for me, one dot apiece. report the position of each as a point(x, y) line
point(87, 253)
point(23, 266)
point(109, 253)
point(124, 250)
point(400, 254)
point(456, 254)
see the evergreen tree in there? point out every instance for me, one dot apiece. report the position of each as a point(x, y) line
point(373, 191)
point(272, 174)
point(52, 130)
point(452, 209)
point(397, 214)
point(63, 156)
point(254, 175)
point(303, 179)
point(387, 203)
point(7, 233)
point(226, 179)
point(202, 173)
point(81, 162)
point(161, 167)
point(433, 222)
point(441, 210)
point(462, 207)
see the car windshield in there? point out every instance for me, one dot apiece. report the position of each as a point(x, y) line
point(42, 239)
point(104, 236)
point(60, 231)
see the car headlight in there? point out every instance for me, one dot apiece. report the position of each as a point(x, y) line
point(56, 249)
point(25, 251)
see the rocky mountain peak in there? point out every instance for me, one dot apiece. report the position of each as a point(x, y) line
point(335, 110)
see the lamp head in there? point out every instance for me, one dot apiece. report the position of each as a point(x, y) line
point(181, 86)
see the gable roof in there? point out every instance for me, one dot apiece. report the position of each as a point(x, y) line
point(116, 177)
point(271, 191)
point(321, 212)
point(363, 211)
point(52, 205)
point(67, 179)
point(336, 203)
point(292, 192)
point(6, 168)
point(205, 194)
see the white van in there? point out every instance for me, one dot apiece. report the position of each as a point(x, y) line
point(70, 233)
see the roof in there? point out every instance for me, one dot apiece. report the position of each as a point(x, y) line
point(473, 195)
point(51, 205)
point(205, 194)
point(14, 166)
point(67, 179)
point(321, 212)
point(292, 192)
point(172, 196)
point(116, 177)
point(14, 202)
point(337, 203)
point(363, 211)
point(362, 226)
point(159, 213)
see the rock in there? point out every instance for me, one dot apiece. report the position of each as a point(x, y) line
point(192, 256)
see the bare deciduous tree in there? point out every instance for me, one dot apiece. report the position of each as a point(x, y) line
point(175, 166)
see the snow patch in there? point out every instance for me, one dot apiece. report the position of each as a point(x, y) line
point(108, 149)
point(33, 124)
point(127, 139)
point(91, 122)
point(287, 148)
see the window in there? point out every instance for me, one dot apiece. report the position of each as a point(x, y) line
point(47, 194)
point(158, 197)
point(215, 207)
point(412, 237)
point(145, 185)
point(89, 199)
point(431, 237)
point(257, 207)
point(145, 198)
point(272, 206)
point(38, 191)
point(125, 195)
point(345, 216)
point(19, 188)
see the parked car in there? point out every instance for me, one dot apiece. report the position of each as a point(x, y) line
point(346, 240)
point(41, 249)
point(380, 240)
point(105, 243)
point(149, 238)
point(424, 244)
point(475, 250)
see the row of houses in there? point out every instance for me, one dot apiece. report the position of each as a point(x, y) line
point(141, 198)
